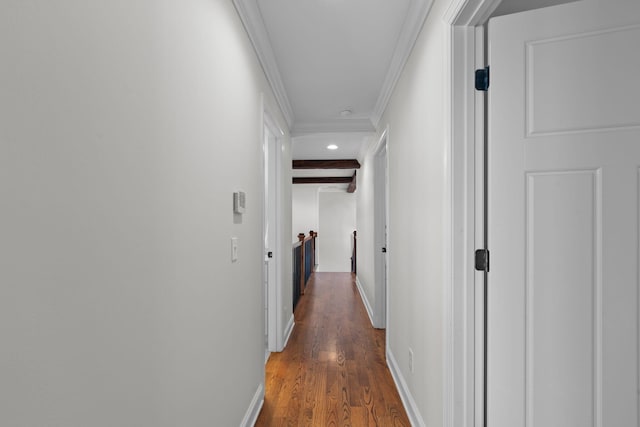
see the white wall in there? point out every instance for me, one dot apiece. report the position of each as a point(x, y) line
point(124, 129)
point(417, 153)
point(304, 203)
point(337, 221)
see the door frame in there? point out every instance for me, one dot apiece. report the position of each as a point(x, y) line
point(463, 382)
point(273, 298)
point(381, 223)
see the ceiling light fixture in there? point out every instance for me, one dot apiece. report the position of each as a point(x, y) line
point(332, 147)
point(346, 112)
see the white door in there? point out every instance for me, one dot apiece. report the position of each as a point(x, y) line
point(270, 240)
point(381, 183)
point(564, 174)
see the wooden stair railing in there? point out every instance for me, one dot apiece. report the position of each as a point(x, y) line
point(304, 263)
point(297, 272)
point(354, 252)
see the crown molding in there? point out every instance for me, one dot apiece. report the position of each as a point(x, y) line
point(416, 15)
point(251, 18)
point(333, 126)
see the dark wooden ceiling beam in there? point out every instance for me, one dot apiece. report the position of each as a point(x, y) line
point(326, 164)
point(323, 180)
point(352, 184)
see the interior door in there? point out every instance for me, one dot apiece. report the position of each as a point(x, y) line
point(563, 185)
point(381, 191)
point(270, 242)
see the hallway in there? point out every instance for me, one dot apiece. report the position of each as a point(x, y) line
point(333, 371)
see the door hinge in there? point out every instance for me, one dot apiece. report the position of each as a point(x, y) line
point(482, 79)
point(482, 260)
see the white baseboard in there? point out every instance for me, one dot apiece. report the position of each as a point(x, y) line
point(251, 416)
point(365, 301)
point(405, 395)
point(288, 330)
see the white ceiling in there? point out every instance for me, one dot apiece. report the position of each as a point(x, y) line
point(325, 56)
point(314, 146)
point(333, 55)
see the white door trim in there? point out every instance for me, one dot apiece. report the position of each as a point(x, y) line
point(381, 222)
point(462, 381)
point(276, 322)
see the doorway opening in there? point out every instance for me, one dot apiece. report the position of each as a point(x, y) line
point(381, 210)
point(465, 328)
point(272, 276)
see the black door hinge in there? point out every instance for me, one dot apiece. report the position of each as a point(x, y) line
point(482, 79)
point(482, 260)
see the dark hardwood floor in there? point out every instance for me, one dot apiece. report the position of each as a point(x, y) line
point(333, 371)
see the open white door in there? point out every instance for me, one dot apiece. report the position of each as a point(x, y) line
point(563, 216)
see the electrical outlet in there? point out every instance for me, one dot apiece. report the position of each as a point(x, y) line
point(410, 360)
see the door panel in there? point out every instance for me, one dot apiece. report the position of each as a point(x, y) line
point(563, 186)
point(562, 297)
point(564, 71)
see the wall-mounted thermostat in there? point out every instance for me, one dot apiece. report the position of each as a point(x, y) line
point(239, 202)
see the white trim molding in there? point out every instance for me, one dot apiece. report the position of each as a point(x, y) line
point(415, 418)
point(275, 290)
point(381, 230)
point(365, 301)
point(414, 20)
point(469, 13)
point(462, 394)
point(249, 13)
point(288, 331)
point(251, 416)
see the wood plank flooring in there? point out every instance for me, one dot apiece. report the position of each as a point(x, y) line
point(333, 371)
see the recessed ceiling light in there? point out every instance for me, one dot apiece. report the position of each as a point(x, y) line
point(332, 147)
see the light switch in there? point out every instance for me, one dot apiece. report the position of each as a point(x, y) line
point(234, 249)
